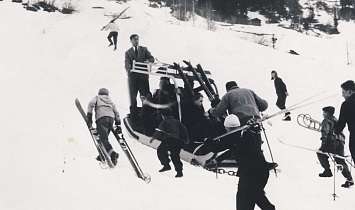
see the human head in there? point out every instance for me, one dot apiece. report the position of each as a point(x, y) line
point(166, 112)
point(273, 74)
point(328, 110)
point(348, 88)
point(134, 40)
point(198, 99)
point(103, 91)
point(231, 122)
point(164, 81)
point(230, 85)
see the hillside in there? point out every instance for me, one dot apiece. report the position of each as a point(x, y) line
point(49, 59)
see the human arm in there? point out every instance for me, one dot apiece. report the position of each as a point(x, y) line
point(221, 108)
point(128, 62)
point(261, 103)
point(339, 127)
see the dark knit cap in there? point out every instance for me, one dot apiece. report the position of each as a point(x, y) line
point(348, 85)
point(231, 84)
point(273, 71)
point(103, 91)
point(329, 109)
point(166, 112)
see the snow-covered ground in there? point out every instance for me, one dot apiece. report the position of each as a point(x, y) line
point(49, 59)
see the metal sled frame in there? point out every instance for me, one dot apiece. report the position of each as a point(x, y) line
point(306, 121)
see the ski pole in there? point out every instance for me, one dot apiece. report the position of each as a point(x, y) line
point(268, 145)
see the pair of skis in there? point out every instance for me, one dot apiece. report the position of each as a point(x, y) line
point(104, 156)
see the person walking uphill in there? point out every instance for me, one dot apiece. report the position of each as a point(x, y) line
point(333, 144)
point(281, 92)
point(347, 114)
point(137, 82)
point(105, 114)
point(173, 135)
point(113, 33)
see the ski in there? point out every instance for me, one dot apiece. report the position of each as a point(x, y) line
point(104, 156)
point(119, 15)
point(346, 157)
point(200, 80)
point(126, 149)
point(306, 121)
point(185, 79)
point(206, 80)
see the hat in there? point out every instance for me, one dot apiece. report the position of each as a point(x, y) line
point(166, 112)
point(348, 85)
point(103, 91)
point(231, 84)
point(329, 109)
point(231, 121)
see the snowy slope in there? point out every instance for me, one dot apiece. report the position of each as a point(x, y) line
point(49, 59)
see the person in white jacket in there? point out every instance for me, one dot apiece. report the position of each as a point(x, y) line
point(113, 33)
point(105, 114)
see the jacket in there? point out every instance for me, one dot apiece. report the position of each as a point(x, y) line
point(143, 55)
point(112, 26)
point(327, 131)
point(347, 116)
point(280, 86)
point(104, 107)
point(240, 101)
point(171, 128)
point(247, 153)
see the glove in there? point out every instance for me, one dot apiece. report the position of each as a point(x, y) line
point(215, 102)
point(117, 122)
point(211, 80)
point(89, 122)
point(118, 129)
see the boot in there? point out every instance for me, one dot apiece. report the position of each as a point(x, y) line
point(326, 173)
point(115, 48)
point(287, 117)
point(165, 168)
point(178, 174)
point(114, 157)
point(348, 183)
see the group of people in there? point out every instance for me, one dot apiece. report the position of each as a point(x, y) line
point(243, 106)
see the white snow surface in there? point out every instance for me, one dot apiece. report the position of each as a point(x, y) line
point(49, 59)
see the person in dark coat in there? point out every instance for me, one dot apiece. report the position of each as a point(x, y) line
point(198, 122)
point(281, 92)
point(333, 144)
point(242, 102)
point(137, 82)
point(172, 134)
point(347, 114)
point(253, 170)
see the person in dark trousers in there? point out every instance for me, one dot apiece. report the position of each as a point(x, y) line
point(333, 144)
point(113, 33)
point(253, 169)
point(105, 114)
point(172, 134)
point(137, 82)
point(347, 114)
point(281, 92)
point(242, 102)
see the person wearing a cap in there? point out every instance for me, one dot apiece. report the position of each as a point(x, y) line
point(347, 114)
point(242, 102)
point(105, 114)
point(281, 92)
point(253, 170)
point(172, 134)
point(333, 144)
